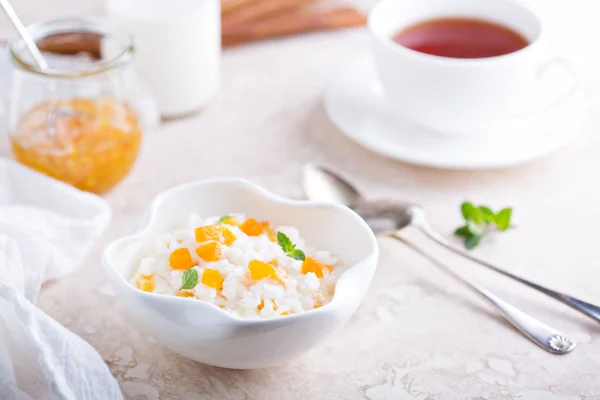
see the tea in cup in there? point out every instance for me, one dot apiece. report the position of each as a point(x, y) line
point(459, 66)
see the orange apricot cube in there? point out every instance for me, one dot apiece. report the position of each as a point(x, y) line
point(181, 259)
point(228, 237)
point(183, 293)
point(261, 270)
point(212, 278)
point(274, 262)
point(252, 227)
point(206, 233)
point(146, 283)
point(285, 313)
point(312, 265)
point(210, 251)
point(231, 221)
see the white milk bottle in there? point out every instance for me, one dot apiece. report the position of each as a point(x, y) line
point(178, 49)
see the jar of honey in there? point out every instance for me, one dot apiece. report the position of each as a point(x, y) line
point(78, 119)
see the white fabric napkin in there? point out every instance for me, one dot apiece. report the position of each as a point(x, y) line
point(46, 228)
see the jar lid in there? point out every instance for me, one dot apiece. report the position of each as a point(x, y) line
point(92, 46)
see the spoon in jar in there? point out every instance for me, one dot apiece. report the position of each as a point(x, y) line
point(322, 184)
point(35, 52)
point(27, 39)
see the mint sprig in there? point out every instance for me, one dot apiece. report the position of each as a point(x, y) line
point(289, 248)
point(479, 221)
point(189, 279)
point(225, 218)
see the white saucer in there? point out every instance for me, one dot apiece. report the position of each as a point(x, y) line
point(356, 104)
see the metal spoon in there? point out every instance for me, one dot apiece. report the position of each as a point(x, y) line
point(28, 40)
point(322, 184)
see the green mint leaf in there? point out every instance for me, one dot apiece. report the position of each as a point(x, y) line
point(480, 221)
point(189, 279)
point(463, 231)
point(471, 213)
point(289, 248)
point(285, 243)
point(297, 254)
point(224, 218)
point(503, 219)
point(475, 228)
point(478, 216)
point(472, 241)
point(488, 215)
point(467, 209)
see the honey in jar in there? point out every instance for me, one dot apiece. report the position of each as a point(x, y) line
point(90, 143)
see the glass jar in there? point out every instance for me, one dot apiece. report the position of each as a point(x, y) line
point(77, 120)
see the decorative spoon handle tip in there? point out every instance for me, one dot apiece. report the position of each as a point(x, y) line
point(541, 334)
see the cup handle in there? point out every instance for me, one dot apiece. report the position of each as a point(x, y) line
point(542, 73)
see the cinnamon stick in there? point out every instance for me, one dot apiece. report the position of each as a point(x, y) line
point(262, 9)
point(291, 23)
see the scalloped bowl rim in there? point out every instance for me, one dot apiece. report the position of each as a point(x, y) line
point(267, 196)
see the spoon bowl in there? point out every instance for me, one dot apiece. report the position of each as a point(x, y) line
point(383, 216)
point(322, 184)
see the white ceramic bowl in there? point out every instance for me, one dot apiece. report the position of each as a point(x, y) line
point(205, 333)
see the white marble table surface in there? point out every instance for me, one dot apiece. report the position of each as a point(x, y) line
point(418, 335)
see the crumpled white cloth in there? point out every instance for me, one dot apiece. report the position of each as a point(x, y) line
point(46, 228)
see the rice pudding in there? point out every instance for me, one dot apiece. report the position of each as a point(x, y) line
point(241, 265)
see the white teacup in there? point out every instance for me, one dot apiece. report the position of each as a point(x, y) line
point(459, 96)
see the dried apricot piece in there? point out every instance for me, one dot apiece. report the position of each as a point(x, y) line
point(274, 262)
point(220, 294)
point(231, 221)
point(183, 293)
point(146, 283)
point(285, 313)
point(252, 227)
point(228, 237)
point(261, 270)
point(262, 305)
point(212, 278)
point(206, 233)
point(312, 265)
point(181, 259)
point(269, 231)
point(210, 251)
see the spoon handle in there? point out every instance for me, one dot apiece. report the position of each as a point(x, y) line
point(588, 309)
point(541, 334)
point(27, 39)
